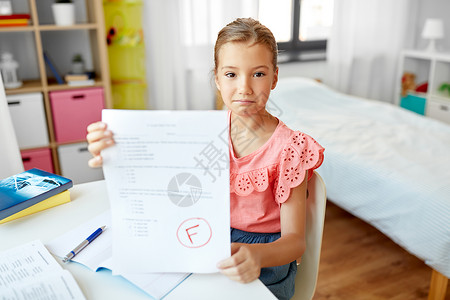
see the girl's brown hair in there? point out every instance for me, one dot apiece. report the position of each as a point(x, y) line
point(246, 30)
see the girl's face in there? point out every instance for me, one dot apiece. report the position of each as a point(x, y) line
point(245, 76)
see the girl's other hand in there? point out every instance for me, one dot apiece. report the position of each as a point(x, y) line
point(244, 264)
point(98, 138)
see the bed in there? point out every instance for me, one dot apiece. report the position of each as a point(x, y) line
point(388, 166)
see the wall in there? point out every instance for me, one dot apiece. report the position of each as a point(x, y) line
point(433, 9)
point(427, 9)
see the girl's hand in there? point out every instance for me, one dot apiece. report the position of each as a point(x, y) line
point(98, 138)
point(244, 264)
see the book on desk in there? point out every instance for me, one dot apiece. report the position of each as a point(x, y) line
point(29, 271)
point(31, 191)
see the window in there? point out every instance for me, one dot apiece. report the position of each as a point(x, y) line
point(301, 27)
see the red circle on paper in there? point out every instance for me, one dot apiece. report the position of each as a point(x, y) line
point(194, 246)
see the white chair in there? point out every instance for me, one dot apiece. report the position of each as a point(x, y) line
point(307, 272)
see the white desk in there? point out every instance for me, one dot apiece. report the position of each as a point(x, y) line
point(88, 201)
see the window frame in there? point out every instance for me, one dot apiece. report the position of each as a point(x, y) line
point(295, 49)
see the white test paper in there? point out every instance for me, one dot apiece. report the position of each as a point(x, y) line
point(168, 183)
point(29, 271)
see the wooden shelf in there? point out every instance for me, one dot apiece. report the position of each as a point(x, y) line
point(17, 28)
point(441, 97)
point(417, 94)
point(61, 87)
point(49, 27)
point(69, 143)
point(72, 27)
point(29, 86)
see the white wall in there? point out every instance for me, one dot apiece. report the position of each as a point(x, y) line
point(433, 9)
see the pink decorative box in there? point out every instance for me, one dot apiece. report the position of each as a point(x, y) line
point(37, 158)
point(74, 110)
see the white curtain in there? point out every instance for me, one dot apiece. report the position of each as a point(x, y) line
point(179, 37)
point(366, 39)
point(10, 159)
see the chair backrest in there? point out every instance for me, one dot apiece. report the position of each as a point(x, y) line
point(307, 272)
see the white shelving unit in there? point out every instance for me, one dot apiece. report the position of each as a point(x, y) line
point(430, 67)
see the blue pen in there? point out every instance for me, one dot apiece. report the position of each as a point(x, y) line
point(83, 244)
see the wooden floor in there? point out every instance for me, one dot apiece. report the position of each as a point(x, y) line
point(358, 262)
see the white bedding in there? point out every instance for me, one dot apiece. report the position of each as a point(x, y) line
point(385, 165)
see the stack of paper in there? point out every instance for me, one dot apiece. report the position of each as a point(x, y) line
point(79, 79)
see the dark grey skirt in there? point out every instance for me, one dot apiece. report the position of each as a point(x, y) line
point(279, 280)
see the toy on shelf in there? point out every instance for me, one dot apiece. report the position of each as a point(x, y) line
point(127, 37)
point(445, 87)
point(408, 83)
point(422, 88)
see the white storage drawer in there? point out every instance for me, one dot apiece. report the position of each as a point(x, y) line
point(439, 110)
point(28, 117)
point(73, 160)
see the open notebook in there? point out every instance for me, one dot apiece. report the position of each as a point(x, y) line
point(29, 271)
point(98, 255)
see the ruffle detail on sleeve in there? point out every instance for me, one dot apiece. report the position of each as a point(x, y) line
point(245, 183)
point(301, 154)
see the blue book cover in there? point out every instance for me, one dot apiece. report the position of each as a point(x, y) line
point(53, 69)
point(25, 189)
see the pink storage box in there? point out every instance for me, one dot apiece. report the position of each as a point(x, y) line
point(37, 158)
point(74, 110)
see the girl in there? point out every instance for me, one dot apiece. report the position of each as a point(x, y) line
point(269, 163)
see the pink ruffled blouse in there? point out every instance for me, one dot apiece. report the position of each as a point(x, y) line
point(261, 181)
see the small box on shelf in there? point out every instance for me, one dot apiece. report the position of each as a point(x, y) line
point(439, 110)
point(37, 158)
point(28, 117)
point(414, 102)
point(74, 110)
point(73, 159)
